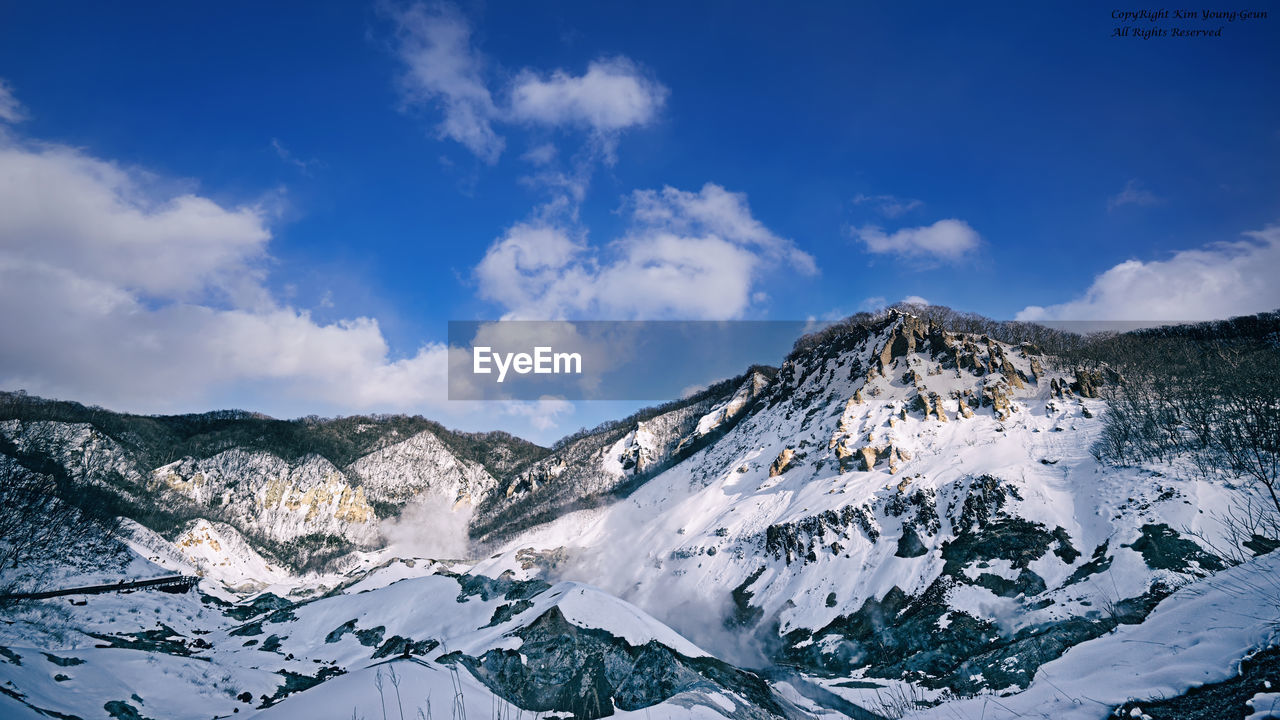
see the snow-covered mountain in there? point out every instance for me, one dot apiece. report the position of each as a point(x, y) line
point(906, 503)
point(599, 466)
point(304, 491)
point(909, 513)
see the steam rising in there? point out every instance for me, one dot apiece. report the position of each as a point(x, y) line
point(430, 526)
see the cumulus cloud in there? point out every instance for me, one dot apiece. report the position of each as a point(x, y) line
point(689, 255)
point(947, 240)
point(1133, 194)
point(116, 291)
point(611, 96)
point(888, 205)
point(527, 266)
point(444, 70)
point(11, 111)
point(63, 209)
point(1217, 281)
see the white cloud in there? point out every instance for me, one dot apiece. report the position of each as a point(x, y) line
point(888, 205)
point(114, 292)
point(11, 111)
point(1133, 194)
point(527, 266)
point(443, 69)
point(542, 414)
point(63, 209)
point(1217, 281)
point(686, 255)
point(914, 300)
point(613, 95)
point(719, 212)
point(948, 240)
point(446, 71)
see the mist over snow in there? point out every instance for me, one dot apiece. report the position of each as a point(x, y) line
point(429, 528)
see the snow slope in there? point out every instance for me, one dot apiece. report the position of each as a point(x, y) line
point(192, 655)
point(1195, 636)
point(902, 509)
point(810, 546)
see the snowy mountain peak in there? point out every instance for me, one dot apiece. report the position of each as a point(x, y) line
point(911, 503)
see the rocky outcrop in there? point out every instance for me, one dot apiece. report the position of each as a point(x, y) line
point(1036, 370)
point(267, 496)
point(1087, 382)
point(998, 397)
point(897, 457)
point(868, 456)
point(782, 462)
point(938, 411)
point(871, 455)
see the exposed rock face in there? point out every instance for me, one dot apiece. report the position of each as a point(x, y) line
point(923, 403)
point(937, 407)
point(869, 455)
point(1087, 382)
point(259, 484)
point(895, 461)
point(997, 396)
point(902, 340)
point(279, 500)
point(1036, 370)
point(844, 454)
point(782, 462)
point(638, 451)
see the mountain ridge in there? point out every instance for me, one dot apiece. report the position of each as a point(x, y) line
point(901, 509)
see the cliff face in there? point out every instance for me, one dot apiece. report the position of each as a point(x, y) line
point(256, 475)
point(265, 495)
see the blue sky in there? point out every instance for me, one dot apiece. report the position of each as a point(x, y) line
point(363, 173)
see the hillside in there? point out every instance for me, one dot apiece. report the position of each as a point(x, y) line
point(918, 509)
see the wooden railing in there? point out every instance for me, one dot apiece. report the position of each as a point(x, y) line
point(171, 584)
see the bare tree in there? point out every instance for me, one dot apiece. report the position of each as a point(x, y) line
point(39, 527)
point(1215, 405)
